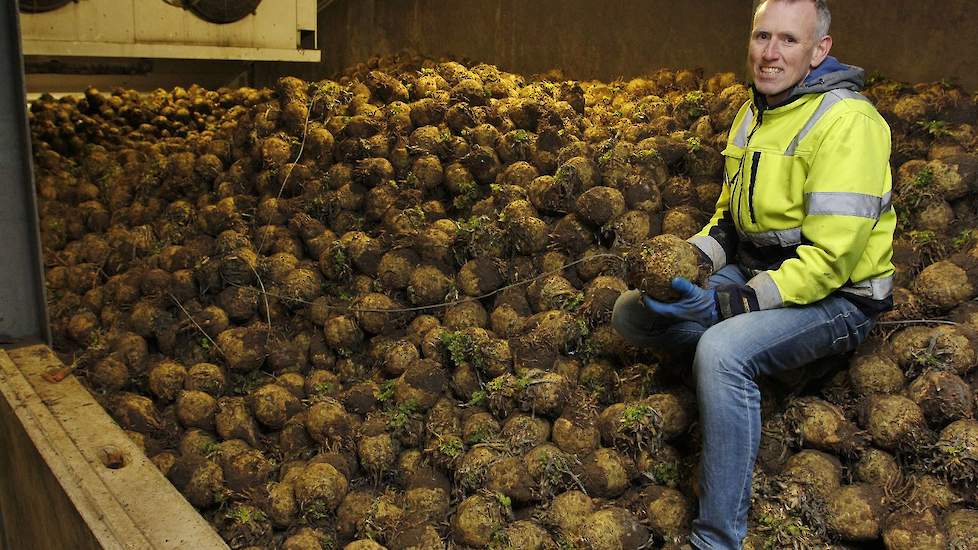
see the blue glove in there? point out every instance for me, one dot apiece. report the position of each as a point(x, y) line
point(694, 304)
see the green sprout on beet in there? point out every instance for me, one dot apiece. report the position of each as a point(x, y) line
point(965, 238)
point(499, 540)
point(245, 515)
point(936, 128)
point(416, 216)
point(451, 447)
point(931, 357)
point(664, 473)
point(692, 104)
point(572, 302)
point(496, 189)
point(635, 416)
point(647, 156)
point(210, 449)
point(874, 78)
point(322, 389)
point(923, 179)
point(340, 259)
point(244, 384)
point(922, 237)
point(386, 391)
point(316, 511)
point(496, 385)
point(468, 193)
point(473, 224)
point(782, 531)
point(479, 398)
point(398, 416)
point(521, 136)
point(461, 348)
point(478, 436)
point(524, 382)
point(565, 172)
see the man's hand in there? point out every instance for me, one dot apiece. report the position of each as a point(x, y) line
point(694, 304)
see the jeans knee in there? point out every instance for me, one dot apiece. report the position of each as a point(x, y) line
point(622, 313)
point(718, 354)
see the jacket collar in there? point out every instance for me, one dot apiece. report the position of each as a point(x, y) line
point(829, 75)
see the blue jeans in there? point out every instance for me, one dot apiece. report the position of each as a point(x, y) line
point(728, 357)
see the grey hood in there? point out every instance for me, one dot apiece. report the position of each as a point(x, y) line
point(830, 75)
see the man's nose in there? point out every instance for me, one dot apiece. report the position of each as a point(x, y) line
point(771, 50)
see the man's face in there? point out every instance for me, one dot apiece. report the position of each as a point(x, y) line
point(783, 47)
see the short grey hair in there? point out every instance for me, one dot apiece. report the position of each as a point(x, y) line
point(822, 14)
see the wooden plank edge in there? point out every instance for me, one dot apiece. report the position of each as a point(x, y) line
point(72, 471)
point(156, 509)
point(167, 51)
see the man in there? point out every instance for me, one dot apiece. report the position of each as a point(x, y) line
point(800, 248)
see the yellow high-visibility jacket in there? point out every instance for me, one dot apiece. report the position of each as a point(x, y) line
point(806, 201)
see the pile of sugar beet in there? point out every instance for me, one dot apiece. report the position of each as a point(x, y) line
point(375, 312)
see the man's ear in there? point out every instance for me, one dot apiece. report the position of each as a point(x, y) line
point(821, 51)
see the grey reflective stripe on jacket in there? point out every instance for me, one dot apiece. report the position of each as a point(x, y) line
point(768, 295)
point(782, 237)
point(843, 204)
point(828, 101)
point(740, 140)
point(766, 290)
point(877, 289)
point(712, 249)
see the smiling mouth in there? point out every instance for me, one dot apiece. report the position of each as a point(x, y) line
point(771, 71)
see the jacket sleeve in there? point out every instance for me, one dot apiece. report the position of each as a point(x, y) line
point(717, 241)
point(843, 199)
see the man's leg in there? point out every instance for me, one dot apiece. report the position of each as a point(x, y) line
point(642, 328)
point(728, 358)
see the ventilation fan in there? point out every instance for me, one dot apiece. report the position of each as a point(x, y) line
point(40, 6)
point(244, 30)
point(222, 11)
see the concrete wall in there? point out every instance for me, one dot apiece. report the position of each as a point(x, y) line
point(909, 40)
point(586, 38)
point(903, 39)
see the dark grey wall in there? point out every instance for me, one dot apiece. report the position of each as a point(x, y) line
point(585, 38)
point(909, 40)
point(902, 39)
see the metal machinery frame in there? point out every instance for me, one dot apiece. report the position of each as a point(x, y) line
point(23, 313)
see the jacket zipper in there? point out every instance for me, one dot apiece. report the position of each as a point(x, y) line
point(753, 181)
point(738, 178)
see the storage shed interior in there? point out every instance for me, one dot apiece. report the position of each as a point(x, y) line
point(341, 274)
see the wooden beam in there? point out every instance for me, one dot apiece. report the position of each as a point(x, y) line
point(55, 489)
point(67, 48)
